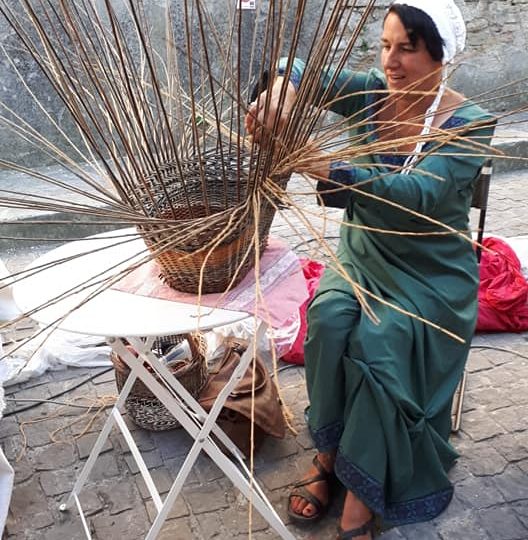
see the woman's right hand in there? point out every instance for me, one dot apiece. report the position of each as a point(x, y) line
point(260, 119)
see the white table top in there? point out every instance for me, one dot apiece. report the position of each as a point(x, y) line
point(111, 312)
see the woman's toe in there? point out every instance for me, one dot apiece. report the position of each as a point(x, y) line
point(308, 510)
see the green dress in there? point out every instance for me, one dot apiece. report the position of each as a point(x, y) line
point(381, 394)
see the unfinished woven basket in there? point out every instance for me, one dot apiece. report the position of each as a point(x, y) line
point(144, 409)
point(205, 221)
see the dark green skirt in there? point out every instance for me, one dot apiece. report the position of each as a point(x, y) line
point(380, 395)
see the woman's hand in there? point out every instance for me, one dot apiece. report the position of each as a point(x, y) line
point(260, 119)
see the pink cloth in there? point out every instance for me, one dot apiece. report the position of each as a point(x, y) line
point(281, 281)
point(313, 271)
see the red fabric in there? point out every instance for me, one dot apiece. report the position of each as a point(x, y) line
point(503, 290)
point(502, 295)
point(312, 271)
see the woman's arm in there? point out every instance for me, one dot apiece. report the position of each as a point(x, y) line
point(448, 167)
point(342, 93)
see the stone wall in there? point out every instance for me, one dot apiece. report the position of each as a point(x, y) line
point(495, 57)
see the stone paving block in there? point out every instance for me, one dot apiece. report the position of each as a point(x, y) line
point(273, 477)
point(210, 526)
point(40, 433)
point(479, 425)
point(274, 449)
point(40, 411)
point(105, 467)
point(173, 443)
point(484, 460)
point(237, 520)
point(179, 509)
point(304, 439)
point(518, 395)
point(8, 427)
point(420, 531)
point(513, 446)
point(502, 522)
point(53, 456)
point(85, 444)
point(88, 424)
point(478, 362)
point(70, 373)
point(505, 375)
point(69, 531)
point(143, 439)
point(90, 501)
point(512, 418)
point(162, 479)
point(56, 387)
point(129, 525)
point(459, 472)
point(521, 510)
point(490, 398)
point(205, 498)
point(23, 470)
point(474, 492)
point(118, 496)
point(152, 459)
point(466, 526)
point(178, 529)
point(37, 392)
point(174, 465)
point(260, 535)
point(28, 496)
point(83, 393)
point(104, 389)
point(513, 484)
point(392, 534)
point(206, 469)
point(34, 382)
point(479, 379)
point(106, 376)
point(291, 374)
point(58, 482)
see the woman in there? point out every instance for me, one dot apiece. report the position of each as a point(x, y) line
point(381, 394)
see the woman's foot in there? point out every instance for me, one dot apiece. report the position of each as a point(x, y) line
point(310, 497)
point(357, 521)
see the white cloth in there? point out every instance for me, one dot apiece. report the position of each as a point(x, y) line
point(8, 311)
point(7, 476)
point(448, 20)
point(8, 308)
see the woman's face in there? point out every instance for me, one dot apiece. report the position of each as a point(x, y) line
point(406, 66)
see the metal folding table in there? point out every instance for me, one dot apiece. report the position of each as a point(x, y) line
point(69, 282)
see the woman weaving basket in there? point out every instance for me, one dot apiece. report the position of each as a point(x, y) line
point(381, 392)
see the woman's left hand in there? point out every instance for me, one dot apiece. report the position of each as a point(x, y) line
point(261, 116)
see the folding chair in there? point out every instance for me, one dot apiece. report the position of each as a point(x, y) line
point(480, 202)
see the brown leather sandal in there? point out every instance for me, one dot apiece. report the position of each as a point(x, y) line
point(368, 527)
point(299, 490)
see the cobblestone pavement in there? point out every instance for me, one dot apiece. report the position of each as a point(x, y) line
point(491, 476)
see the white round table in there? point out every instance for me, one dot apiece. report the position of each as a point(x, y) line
point(82, 265)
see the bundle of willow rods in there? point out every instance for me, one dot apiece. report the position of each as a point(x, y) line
point(162, 123)
point(157, 96)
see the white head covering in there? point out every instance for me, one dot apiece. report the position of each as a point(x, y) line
point(448, 20)
point(450, 25)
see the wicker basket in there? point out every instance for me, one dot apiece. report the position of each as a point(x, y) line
point(210, 204)
point(144, 409)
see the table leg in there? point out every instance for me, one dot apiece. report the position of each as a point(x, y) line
point(194, 420)
point(99, 443)
point(203, 442)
